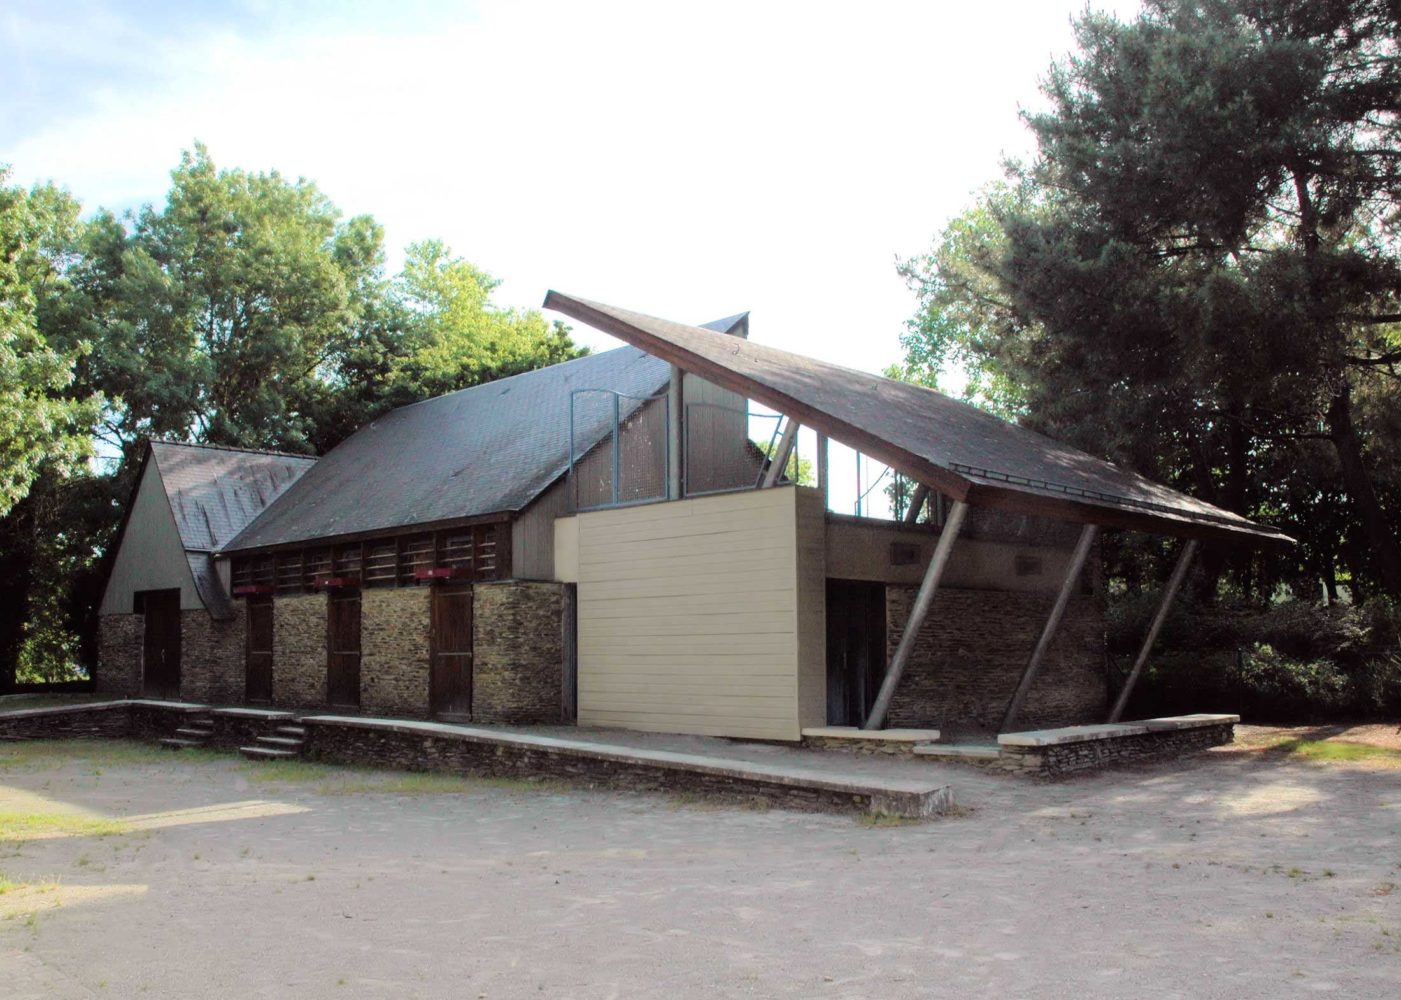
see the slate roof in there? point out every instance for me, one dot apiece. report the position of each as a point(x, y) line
point(961, 451)
point(216, 492)
point(488, 449)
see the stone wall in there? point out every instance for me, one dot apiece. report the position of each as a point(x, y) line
point(1067, 758)
point(972, 649)
point(394, 627)
point(107, 720)
point(428, 747)
point(212, 656)
point(119, 655)
point(518, 652)
point(299, 650)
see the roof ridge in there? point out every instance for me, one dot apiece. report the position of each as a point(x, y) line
point(507, 378)
point(229, 447)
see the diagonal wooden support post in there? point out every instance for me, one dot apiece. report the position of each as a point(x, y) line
point(923, 600)
point(916, 503)
point(1048, 632)
point(1174, 584)
point(779, 461)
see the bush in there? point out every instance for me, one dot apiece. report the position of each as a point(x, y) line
point(1289, 662)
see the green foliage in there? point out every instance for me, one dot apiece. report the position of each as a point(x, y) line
point(800, 470)
point(1295, 661)
point(1198, 276)
point(243, 311)
point(39, 424)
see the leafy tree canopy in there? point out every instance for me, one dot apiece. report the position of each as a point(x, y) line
point(1199, 274)
point(245, 310)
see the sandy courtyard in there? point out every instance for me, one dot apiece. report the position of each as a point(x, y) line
point(132, 873)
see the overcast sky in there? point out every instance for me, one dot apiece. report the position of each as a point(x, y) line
point(688, 161)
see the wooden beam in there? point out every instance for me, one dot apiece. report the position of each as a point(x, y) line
point(918, 613)
point(1174, 584)
point(1048, 632)
point(916, 503)
point(778, 461)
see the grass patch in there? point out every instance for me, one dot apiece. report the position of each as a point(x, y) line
point(18, 827)
point(1339, 750)
point(329, 779)
point(877, 820)
point(96, 752)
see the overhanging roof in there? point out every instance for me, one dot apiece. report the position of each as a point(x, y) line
point(957, 449)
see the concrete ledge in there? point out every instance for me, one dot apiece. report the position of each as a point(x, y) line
point(875, 735)
point(854, 740)
point(264, 714)
point(479, 750)
point(1198, 721)
point(1071, 734)
point(50, 710)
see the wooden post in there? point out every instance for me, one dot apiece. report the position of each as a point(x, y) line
point(916, 503)
point(779, 459)
point(1048, 632)
point(675, 417)
point(923, 600)
point(1179, 573)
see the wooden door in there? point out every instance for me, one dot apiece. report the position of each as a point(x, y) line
point(450, 652)
point(856, 658)
point(160, 648)
point(258, 652)
point(343, 649)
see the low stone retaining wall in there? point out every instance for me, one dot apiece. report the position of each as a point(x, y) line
point(430, 746)
point(95, 720)
point(1052, 753)
point(426, 746)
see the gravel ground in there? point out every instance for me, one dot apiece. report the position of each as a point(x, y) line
point(1236, 874)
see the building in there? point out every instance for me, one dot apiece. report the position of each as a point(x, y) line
point(602, 541)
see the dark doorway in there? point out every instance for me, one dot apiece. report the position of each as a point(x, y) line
point(855, 649)
point(450, 652)
point(160, 649)
point(258, 652)
point(343, 649)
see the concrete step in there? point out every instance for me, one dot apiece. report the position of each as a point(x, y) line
point(957, 751)
point(280, 742)
point(297, 732)
point(267, 753)
point(191, 733)
point(180, 743)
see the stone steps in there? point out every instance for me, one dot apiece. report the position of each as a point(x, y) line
point(193, 734)
point(268, 753)
point(285, 743)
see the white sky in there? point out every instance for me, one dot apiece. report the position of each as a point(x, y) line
point(688, 161)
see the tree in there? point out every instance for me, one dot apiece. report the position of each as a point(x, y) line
point(243, 311)
point(1199, 274)
point(38, 425)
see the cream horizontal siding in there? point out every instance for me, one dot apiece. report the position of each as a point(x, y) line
point(688, 616)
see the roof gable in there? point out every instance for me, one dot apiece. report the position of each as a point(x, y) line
point(216, 492)
point(962, 451)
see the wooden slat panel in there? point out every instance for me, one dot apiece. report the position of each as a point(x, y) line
point(687, 616)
